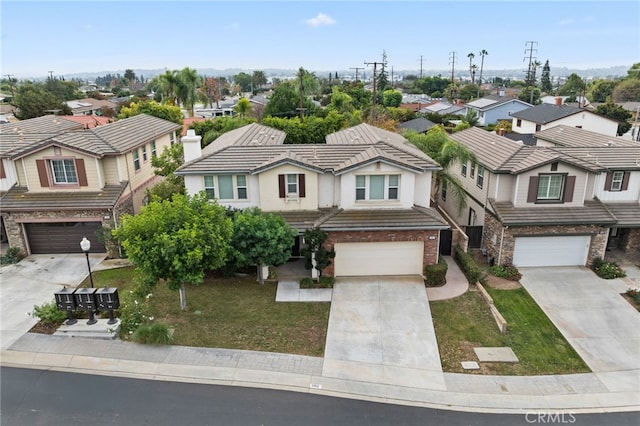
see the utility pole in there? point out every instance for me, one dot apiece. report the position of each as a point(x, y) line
point(50, 75)
point(531, 73)
point(301, 109)
point(10, 77)
point(375, 65)
point(356, 68)
point(420, 66)
point(452, 62)
point(392, 77)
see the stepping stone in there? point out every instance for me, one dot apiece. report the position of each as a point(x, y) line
point(470, 365)
point(495, 354)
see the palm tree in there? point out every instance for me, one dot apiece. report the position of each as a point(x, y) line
point(169, 86)
point(187, 85)
point(242, 107)
point(471, 56)
point(474, 67)
point(483, 53)
point(447, 153)
point(130, 75)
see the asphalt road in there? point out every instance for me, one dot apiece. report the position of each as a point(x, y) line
point(40, 397)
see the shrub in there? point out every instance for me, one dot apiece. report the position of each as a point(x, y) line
point(607, 270)
point(436, 275)
point(468, 266)
point(327, 281)
point(634, 294)
point(508, 272)
point(306, 282)
point(152, 334)
point(13, 255)
point(133, 312)
point(48, 313)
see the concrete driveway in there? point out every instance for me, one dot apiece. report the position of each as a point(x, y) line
point(33, 281)
point(381, 331)
point(600, 325)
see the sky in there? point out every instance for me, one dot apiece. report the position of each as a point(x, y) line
point(93, 36)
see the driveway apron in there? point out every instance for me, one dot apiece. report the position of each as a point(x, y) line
point(381, 331)
point(591, 314)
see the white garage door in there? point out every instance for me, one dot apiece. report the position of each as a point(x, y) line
point(551, 251)
point(388, 258)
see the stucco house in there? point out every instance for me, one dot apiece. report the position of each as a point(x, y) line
point(60, 182)
point(366, 187)
point(545, 116)
point(553, 205)
point(493, 108)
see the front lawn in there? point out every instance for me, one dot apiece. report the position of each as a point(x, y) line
point(465, 322)
point(233, 313)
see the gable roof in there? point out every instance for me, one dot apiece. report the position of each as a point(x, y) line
point(493, 101)
point(547, 113)
point(563, 135)
point(419, 125)
point(17, 136)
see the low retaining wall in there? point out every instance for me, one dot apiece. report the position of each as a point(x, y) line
point(500, 321)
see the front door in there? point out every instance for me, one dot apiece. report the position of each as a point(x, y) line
point(445, 242)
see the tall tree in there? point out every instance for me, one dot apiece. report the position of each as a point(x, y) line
point(166, 112)
point(188, 82)
point(600, 90)
point(169, 87)
point(483, 53)
point(243, 107)
point(243, 80)
point(471, 56)
point(627, 90)
point(614, 111)
point(574, 86)
point(446, 153)
point(259, 79)
point(177, 241)
point(261, 239)
point(545, 78)
point(382, 78)
point(33, 100)
point(130, 76)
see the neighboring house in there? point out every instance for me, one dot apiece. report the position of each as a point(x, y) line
point(89, 121)
point(60, 183)
point(493, 108)
point(443, 108)
point(544, 116)
point(547, 205)
point(90, 106)
point(418, 125)
point(366, 187)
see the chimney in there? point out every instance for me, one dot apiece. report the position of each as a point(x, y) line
point(501, 92)
point(558, 100)
point(191, 145)
point(501, 131)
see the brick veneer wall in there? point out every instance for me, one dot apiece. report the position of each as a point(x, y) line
point(493, 233)
point(631, 240)
point(430, 254)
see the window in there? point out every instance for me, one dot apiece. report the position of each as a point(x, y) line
point(444, 191)
point(538, 127)
point(554, 166)
point(153, 149)
point(616, 181)
point(144, 153)
point(472, 173)
point(463, 172)
point(136, 159)
point(292, 185)
point(241, 185)
point(550, 187)
point(225, 187)
point(480, 180)
point(172, 137)
point(518, 122)
point(209, 188)
point(63, 172)
point(377, 187)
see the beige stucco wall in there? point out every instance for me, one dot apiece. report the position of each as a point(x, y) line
point(632, 193)
point(406, 188)
point(32, 179)
point(269, 193)
point(522, 189)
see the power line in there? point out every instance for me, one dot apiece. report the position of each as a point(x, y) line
point(420, 66)
point(375, 65)
point(531, 70)
point(356, 68)
point(452, 61)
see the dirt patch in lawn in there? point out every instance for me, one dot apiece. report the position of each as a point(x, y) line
point(501, 283)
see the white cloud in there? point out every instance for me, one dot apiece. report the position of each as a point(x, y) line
point(320, 20)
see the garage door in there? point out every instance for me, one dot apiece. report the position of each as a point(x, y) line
point(388, 258)
point(551, 251)
point(62, 237)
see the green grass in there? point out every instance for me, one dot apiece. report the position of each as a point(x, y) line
point(466, 322)
point(233, 313)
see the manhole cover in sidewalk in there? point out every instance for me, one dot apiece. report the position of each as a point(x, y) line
point(495, 355)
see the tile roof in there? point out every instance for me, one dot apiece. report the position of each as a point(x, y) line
point(547, 113)
point(592, 213)
point(490, 149)
point(384, 219)
point(564, 135)
point(19, 198)
point(89, 121)
point(627, 213)
point(253, 134)
point(419, 125)
point(493, 101)
point(305, 219)
point(126, 134)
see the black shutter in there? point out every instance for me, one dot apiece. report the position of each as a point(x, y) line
point(301, 187)
point(532, 195)
point(569, 185)
point(281, 187)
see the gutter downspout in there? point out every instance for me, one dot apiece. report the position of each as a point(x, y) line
point(500, 251)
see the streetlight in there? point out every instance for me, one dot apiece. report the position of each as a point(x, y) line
point(85, 245)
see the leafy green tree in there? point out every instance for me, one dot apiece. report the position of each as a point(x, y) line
point(525, 95)
point(315, 254)
point(471, 117)
point(63, 90)
point(616, 112)
point(177, 241)
point(130, 76)
point(164, 165)
point(634, 71)
point(600, 90)
point(188, 82)
point(627, 90)
point(261, 239)
point(361, 98)
point(391, 98)
point(33, 100)
point(243, 107)
point(340, 101)
point(259, 79)
point(285, 101)
point(243, 80)
point(168, 84)
point(545, 79)
point(382, 79)
point(469, 91)
point(574, 85)
point(166, 112)
point(446, 153)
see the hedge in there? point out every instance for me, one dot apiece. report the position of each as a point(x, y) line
point(468, 266)
point(436, 275)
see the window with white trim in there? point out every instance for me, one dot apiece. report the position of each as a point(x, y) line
point(472, 173)
point(136, 159)
point(229, 187)
point(480, 180)
point(463, 172)
point(172, 137)
point(144, 153)
point(616, 181)
point(209, 187)
point(241, 186)
point(550, 187)
point(64, 172)
point(292, 185)
point(153, 149)
point(377, 187)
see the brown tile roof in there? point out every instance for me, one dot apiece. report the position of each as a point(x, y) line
point(89, 121)
point(366, 134)
point(568, 136)
point(305, 219)
point(627, 213)
point(129, 133)
point(15, 137)
point(384, 219)
point(19, 198)
point(491, 150)
point(188, 121)
point(593, 212)
point(611, 158)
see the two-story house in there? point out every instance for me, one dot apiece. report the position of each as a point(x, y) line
point(366, 187)
point(493, 108)
point(545, 116)
point(60, 183)
point(543, 205)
